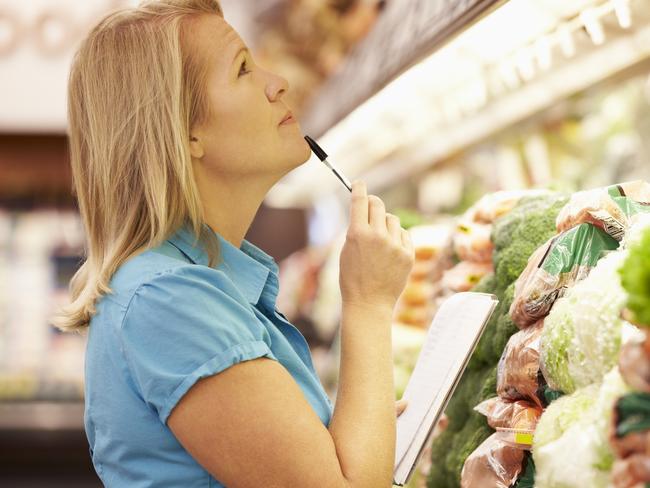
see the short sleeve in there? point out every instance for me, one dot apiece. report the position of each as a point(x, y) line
point(186, 324)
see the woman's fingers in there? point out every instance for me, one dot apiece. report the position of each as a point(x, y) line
point(394, 228)
point(359, 207)
point(406, 240)
point(377, 214)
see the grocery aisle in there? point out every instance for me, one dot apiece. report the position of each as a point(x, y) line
point(511, 139)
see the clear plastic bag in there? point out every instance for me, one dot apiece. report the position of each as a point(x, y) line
point(554, 267)
point(631, 472)
point(465, 275)
point(518, 373)
point(608, 208)
point(506, 414)
point(495, 464)
point(472, 241)
point(495, 205)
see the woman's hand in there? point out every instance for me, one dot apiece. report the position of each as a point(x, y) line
point(377, 256)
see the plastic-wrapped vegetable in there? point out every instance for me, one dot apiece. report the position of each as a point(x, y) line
point(507, 414)
point(631, 425)
point(518, 373)
point(472, 242)
point(576, 427)
point(609, 208)
point(632, 472)
point(554, 267)
point(495, 205)
point(518, 234)
point(465, 275)
point(515, 235)
point(494, 463)
point(581, 339)
point(634, 363)
point(630, 440)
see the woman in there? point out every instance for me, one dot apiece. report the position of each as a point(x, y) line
point(193, 378)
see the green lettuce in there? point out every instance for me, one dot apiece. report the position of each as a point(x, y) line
point(577, 424)
point(635, 278)
point(582, 333)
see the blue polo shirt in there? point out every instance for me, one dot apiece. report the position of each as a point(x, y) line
point(170, 321)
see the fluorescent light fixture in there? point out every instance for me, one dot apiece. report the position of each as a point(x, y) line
point(567, 44)
point(623, 13)
point(496, 72)
point(591, 21)
point(543, 53)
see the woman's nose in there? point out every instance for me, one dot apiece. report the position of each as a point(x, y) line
point(276, 86)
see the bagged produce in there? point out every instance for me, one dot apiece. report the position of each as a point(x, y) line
point(472, 242)
point(581, 339)
point(634, 363)
point(494, 463)
point(631, 425)
point(527, 479)
point(609, 208)
point(630, 439)
point(519, 233)
point(515, 236)
point(632, 472)
point(518, 372)
point(632, 413)
point(571, 447)
point(495, 205)
point(554, 267)
point(501, 413)
point(465, 275)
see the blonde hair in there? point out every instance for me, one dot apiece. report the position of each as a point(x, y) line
point(135, 89)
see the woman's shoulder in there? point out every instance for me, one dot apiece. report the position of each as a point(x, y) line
point(161, 269)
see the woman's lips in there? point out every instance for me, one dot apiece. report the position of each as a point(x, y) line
point(289, 120)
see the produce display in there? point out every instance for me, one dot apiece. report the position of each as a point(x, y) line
point(556, 266)
point(630, 426)
point(419, 300)
point(514, 237)
point(582, 334)
point(555, 371)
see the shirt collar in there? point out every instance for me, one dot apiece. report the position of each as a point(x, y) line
point(248, 266)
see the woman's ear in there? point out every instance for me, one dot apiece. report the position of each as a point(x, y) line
point(196, 148)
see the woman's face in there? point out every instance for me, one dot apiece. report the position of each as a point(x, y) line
point(244, 137)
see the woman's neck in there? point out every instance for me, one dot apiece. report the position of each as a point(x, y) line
point(231, 206)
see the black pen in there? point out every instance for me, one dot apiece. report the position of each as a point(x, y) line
point(322, 155)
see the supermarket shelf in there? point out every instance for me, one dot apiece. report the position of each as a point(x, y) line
point(405, 33)
point(42, 416)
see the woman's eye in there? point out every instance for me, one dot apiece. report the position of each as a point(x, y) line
point(242, 69)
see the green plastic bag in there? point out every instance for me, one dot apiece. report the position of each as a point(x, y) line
point(632, 413)
point(555, 266)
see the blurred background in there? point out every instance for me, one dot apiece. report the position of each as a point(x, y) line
point(433, 102)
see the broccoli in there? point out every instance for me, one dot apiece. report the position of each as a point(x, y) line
point(462, 402)
point(518, 234)
point(505, 327)
point(635, 278)
point(475, 431)
point(439, 476)
point(515, 236)
point(489, 385)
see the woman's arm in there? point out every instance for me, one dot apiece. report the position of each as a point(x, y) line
point(251, 425)
point(375, 262)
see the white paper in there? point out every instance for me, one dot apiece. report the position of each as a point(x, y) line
point(450, 341)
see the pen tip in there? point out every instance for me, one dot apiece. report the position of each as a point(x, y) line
point(322, 155)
